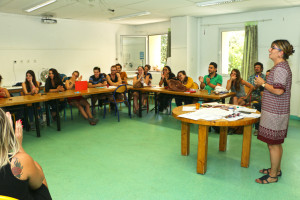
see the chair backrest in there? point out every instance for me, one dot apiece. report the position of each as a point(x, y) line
point(121, 89)
point(7, 198)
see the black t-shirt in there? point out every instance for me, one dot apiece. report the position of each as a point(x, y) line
point(171, 76)
point(49, 86)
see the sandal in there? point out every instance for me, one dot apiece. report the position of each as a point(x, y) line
point(92, 122)
point(265, 178)
point(266, 171)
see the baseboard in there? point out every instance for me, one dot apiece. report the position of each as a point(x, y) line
point(294, 117)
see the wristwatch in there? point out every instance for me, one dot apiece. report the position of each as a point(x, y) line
point(263, 84)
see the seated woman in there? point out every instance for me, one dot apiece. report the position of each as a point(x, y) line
point(189, 84)
point(30, 87)
point(80, 102)
point(3, 91)
point(164, 99)
point(20, 176)
point(146, 72)
point(236, 84)
point(54, 84)
point(142, 79)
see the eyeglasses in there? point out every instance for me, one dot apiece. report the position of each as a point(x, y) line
point(276, 48)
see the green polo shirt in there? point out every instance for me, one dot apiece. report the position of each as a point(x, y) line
point(214, 80)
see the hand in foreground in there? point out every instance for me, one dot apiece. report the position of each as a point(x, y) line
point(201, 79)
point(259, 81)
point(207, 80)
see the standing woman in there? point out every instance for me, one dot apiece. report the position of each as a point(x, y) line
point(236, 84)
point(81, 103)
point(140, 77)
point(275, 105)
point(164, 99)
point(54, 84)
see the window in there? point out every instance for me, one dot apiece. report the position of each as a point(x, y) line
point(232, 50)
point(158, 51)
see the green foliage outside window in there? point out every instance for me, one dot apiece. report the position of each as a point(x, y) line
point(163, 54)
point(236, 47)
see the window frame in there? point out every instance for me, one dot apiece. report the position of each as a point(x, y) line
point(226, 29)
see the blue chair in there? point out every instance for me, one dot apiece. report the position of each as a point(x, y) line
point(121, 89)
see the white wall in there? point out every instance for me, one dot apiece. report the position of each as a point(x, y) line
point(67, 46)
point(278, 24)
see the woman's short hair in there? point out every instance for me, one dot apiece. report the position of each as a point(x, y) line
point(9, 144)
point(285, 46)
point(149, 67)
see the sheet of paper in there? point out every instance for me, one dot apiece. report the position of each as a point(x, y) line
point(189, 108)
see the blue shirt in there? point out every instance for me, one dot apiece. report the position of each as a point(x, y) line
point(95, 80)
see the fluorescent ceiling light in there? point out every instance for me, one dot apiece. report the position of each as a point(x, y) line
point(215, 2)
point(40, 5)
point(131, 15)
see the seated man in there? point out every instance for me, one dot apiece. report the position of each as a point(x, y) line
point(97, 80)
point(210, 81)
point(122, 74)
point(258, 68)
point(114, 78)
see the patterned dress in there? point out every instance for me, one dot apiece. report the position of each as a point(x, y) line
point(275, 111)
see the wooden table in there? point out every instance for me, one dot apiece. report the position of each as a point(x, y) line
point(44, 97)
point(203, 137)
point(198, 94)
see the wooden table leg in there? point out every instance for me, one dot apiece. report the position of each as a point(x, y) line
point(185, 138)
point(246, 146)
point(223, 138)
point(202, 149)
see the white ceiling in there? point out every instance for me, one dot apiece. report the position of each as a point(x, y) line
point(161, 10)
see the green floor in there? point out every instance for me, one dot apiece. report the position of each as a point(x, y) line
point(140, 158)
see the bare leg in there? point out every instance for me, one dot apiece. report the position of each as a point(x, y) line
point(135, 102)
point(86, 104)
point(235, 101)
point(80, 108)
point(275, 157)
point(241, 102)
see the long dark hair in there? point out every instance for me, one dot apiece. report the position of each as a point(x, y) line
point(186, 77)
point(0, 78)
point(33, 80)
point(238, 79)
point(168, 69)
point(56, 77)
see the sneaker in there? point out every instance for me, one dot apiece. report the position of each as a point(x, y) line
point(255, 133)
